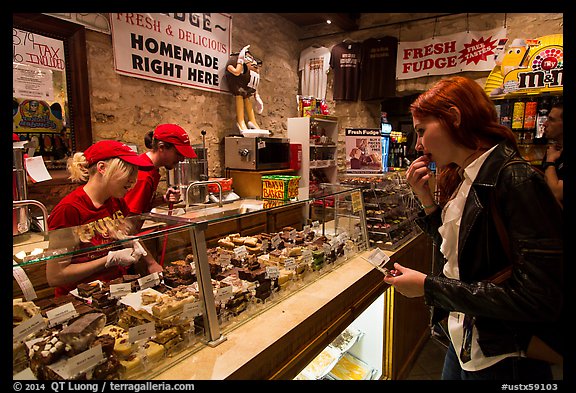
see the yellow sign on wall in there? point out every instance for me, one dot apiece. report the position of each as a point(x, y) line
point(37, 116)
point(528, 66)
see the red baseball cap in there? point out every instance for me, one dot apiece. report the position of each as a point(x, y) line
point(15, 137)
point(104, 150)
point(176, 135)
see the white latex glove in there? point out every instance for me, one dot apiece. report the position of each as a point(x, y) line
point(242, 54)
point(126, 256)
point(259, 104)
point(139, 249)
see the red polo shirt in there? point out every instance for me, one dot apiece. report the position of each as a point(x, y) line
point(140, 197)
point(77, 210)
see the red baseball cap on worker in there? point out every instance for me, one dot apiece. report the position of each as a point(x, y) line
point(104, 150)
point(176, 135)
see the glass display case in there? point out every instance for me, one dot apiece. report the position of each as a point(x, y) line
point(356, 353)
point(391, 208)
point(137, 323)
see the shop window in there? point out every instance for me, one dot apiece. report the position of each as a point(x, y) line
point(50, 95)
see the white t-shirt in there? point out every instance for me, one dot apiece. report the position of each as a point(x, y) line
point(451, 217)
point(314, 64)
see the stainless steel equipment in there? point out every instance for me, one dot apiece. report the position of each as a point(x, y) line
point(20, 212)
point(203, 184)
point(27, 202)
point(259, 153)
point(204, 157)
point(189, 171)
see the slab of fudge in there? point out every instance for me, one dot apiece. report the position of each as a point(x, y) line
point(87, 289)
point(83, 331)
point(107, 342)
point(102, 299)
point(108, 370)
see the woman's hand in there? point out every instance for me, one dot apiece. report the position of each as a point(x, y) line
point(126, 256)
point(153, 266)
point(408, 282)
point(148, 260)
point(417, 176)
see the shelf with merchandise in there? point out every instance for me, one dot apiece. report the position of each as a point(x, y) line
point(318, 136)
point(525, 115)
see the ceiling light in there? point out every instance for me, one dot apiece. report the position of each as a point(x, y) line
point(328, 21)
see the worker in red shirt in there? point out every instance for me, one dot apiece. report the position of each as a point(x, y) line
point(168, 144)
point(109, 169)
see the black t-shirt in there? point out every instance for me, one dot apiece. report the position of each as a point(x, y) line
point(345, 59)
point(378, 79)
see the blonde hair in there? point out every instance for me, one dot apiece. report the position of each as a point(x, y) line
point(80, 170)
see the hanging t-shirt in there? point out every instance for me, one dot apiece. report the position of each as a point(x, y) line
point(345, 61)
point(379, 68)
point(314, 65)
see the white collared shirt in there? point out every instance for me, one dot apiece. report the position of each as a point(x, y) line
point(451, 217)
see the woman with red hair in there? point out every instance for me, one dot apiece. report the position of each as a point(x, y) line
point(499, 229)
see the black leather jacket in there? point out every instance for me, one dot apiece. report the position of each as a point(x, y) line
point(506, 314)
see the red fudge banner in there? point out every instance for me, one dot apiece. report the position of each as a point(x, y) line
point(449, 54)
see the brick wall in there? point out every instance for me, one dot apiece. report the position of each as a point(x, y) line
point(126, 108)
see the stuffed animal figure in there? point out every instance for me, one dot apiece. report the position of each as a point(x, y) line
point(243, 77)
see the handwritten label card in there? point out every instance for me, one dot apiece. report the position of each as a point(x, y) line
point(119, 290)
point(61, 314)
point(272, 272)
point(276, 241)
point(141, 332)
point(378, 259)
point(149, 281)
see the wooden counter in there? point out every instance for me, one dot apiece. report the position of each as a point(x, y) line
point(281, 341)
point(278, 343)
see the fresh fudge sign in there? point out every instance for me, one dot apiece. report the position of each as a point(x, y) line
point(449, 54)
point(364, 150)
point(184, 49)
